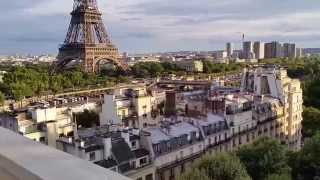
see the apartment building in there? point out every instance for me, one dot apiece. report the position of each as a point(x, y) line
point(220, 119)
point(274, 83)
point(289, 50)
point(45, 121)
point(248, 51)
point(273, 50)
point(132, 107)
point(258, 48)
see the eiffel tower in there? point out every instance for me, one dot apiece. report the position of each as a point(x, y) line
point(87, 43)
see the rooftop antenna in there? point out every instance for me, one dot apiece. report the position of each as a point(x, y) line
point(243, 36)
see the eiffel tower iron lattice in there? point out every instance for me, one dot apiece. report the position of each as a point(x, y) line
point(87, 42)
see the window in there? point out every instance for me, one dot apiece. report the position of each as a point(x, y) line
point(143, 161)
point(149, 177)
point(42, 139)
point(92, 156)
point(134, 144)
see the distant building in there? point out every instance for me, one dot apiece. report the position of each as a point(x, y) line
point(190, 65)
point(299, 52)
point(273, 50)
point(258, 48)
point(229, 49)
point(248, 50)
point(141, 59)
point(220, 57)
point(289, 50)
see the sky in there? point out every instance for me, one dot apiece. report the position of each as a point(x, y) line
point(137, 26)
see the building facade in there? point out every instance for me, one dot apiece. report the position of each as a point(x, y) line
point(132, 107)
point(273, 50)
point(190, 65)
point(289, 50)
point(248, 52)
point(258, 48)
point(229, 48)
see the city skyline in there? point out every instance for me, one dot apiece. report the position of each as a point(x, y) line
point(149, 26)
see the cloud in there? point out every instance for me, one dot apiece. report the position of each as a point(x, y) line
point(161, 25)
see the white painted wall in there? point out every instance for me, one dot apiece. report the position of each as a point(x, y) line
point(109, 111)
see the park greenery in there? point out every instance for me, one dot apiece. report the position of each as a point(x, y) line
point(265, 159)
point(209, 67)
point(29, 81)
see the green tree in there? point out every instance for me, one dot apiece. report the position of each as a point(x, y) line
point(56, 83)
point(194, 175)
point(263, 158)
point(311, 121)
point(20, 91)
point(222, 166)
point(2, 98)
point(311, 93)
point(307, 162)
point(278, 177)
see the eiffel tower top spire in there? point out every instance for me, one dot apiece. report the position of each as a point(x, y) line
point(86, 25)
point(85, 4)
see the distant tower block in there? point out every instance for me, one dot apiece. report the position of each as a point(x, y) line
point(229, 49)
point(87, 43)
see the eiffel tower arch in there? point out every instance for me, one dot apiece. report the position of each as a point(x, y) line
point(87, 41)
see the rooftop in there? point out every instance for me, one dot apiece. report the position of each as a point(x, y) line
point(172, 130)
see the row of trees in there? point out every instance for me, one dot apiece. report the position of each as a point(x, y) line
point(265, 159)
point(210, 67)
point(154, 69)
point(311, 96)
point(21, 82)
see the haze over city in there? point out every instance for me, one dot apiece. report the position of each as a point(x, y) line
point(38, 26)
